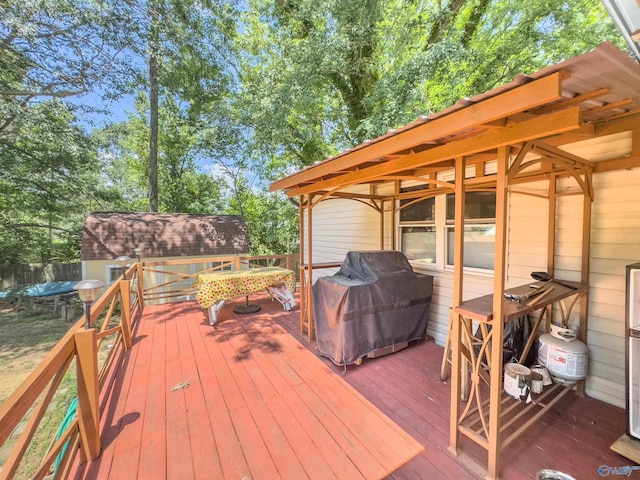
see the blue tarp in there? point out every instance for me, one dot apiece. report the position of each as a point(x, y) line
point(40, 290)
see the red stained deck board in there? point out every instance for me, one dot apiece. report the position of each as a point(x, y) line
point(201, 442)
point(227, 435)
point(358, 416)
point(126, 445)
point(418, 418)
point(153, 445)
point(319, 453)
point(182, 402)
point(261, 397)
point(322, 442)
point(356, 413)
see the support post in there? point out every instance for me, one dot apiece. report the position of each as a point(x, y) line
point(497, 329)
point(551, 240)
point(458, 278)
point(309, 303)
point(125, 324)
point(88, 396)
point(140, 269)
point(584, 275)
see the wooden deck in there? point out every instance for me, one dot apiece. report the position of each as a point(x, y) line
point(260, 404)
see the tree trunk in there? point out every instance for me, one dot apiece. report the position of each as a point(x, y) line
point(154, 46)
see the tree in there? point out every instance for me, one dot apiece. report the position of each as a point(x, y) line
point(47, 186)
point(187, 47)
point(59, 49)
point(183, 188)
point(322, 77)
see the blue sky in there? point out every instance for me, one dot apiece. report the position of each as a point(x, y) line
point(117, 110)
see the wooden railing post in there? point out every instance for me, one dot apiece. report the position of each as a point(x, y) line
point(125, 298)
point(140, 269)
point(88, 396)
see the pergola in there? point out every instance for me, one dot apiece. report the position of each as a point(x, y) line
point(521, 128)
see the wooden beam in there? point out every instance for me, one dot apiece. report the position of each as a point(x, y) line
point(572, 101)
point(554, 152)
point(530, 95)
point(551, 124)
point(608, 106)
point(348, 195)
point(624, 163)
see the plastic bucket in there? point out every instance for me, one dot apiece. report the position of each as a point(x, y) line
point(517, 380)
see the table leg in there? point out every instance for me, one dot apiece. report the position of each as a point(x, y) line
point(213, 312)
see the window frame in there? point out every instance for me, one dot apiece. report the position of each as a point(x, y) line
point(442, 227)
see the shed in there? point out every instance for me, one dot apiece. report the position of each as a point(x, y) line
point(160, 236)
point(541, 174)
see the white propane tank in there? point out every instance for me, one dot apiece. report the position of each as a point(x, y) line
point(563, 354)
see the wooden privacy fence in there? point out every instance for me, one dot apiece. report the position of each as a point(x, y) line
point(114, 316)
point(18, 274)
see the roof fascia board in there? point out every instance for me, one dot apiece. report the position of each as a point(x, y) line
point(536, 93)
point(543, 126)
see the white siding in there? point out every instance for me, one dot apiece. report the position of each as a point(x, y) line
point(615, 243)
point(340, 226)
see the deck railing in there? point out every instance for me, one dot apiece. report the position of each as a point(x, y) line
point(113, 317)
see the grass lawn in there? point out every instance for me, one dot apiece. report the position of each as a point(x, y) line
point(26, 336)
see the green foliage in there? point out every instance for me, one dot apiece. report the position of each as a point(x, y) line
point(319, 78)
point(272, 223)
point(47, 185)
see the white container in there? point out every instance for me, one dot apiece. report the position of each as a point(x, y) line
point(517, 380)
point(565, 357)
point(536, 382)
point(542, 370)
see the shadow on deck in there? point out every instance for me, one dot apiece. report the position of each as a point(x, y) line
point(248, 398)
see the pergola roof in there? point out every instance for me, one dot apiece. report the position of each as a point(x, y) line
point(589, 95)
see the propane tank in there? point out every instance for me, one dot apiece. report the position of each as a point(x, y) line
point(563, 354)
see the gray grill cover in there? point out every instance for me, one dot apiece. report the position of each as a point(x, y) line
point(374, 301)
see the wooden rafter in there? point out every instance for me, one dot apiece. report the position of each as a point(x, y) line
point(572, 101)
point(554, 123)
point(607, 107)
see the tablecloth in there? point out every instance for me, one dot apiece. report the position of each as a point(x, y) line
point(213, 287)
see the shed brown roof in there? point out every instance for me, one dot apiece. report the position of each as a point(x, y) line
point(108, 235)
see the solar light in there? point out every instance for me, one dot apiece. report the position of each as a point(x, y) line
point(88, 292)
point(122, 260)
point(137, 251)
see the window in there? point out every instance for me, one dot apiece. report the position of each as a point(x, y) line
point(225, 266)
point(479, 229)
point(113, 273)
point(419, 243)
point(417, 227)
point(417, 211)
point(427, 229)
